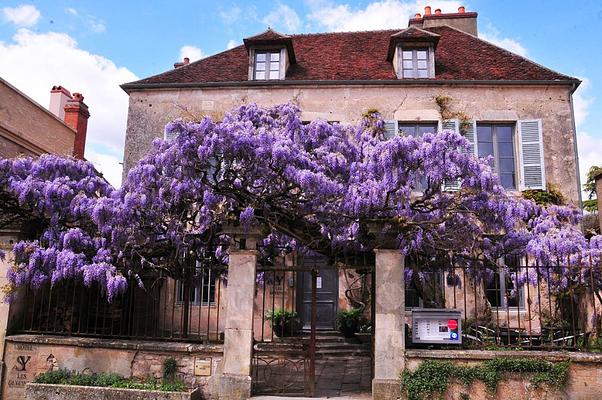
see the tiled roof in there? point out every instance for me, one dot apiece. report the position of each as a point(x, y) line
point(363, 56)
point(414, 33)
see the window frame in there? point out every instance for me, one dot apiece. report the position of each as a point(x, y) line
point(500, 288)
point(208, 283)
point(268, 52)
point(496, 160)
point(415, 49)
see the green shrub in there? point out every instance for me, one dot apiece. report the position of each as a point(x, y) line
point(109, 379)
point(170, 368)
point(433, 377)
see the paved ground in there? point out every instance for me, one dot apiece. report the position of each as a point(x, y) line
point(345, 377)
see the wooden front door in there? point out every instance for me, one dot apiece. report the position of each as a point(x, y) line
point(327, 288)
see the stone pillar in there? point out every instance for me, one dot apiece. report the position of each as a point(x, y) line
point(389, 327)
point(235, 380)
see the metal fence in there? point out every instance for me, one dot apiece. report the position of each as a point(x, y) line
point(188, 309)
point(513, 305)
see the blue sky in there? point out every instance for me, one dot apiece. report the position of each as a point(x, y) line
point(93, 46)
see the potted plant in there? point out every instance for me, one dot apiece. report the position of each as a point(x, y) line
point(284, 323)
point(349, 321)
point(365, 332)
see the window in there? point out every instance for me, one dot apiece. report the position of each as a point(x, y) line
point(429, 279)
point(415, 62)
point(202, 290)
point(266, 65)
point(417, 130)
point(501, 291)
point(497, 140)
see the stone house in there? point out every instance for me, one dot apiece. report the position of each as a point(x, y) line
point(436, 73)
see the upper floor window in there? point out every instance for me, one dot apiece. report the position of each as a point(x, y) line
point(497, 140)
point(266, 65)
point(415, 62)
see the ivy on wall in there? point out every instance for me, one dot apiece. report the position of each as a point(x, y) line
point(433, 377)
point(446, 112)
point(552, 195)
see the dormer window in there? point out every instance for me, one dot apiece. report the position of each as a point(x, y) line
point(270, 55)
point(266, 65)
point(415, 62)
point(412, 53)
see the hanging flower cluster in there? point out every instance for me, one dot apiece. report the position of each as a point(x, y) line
point(326, 187)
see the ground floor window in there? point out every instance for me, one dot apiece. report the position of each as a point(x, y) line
point(501, 290)
point(202, 287)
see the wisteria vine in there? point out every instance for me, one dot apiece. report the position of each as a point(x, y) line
point(325, 187)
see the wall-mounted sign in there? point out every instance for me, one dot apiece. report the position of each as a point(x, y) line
point(202, 366)
point(436, 326)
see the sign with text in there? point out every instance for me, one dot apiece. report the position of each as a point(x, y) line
point(436, 326)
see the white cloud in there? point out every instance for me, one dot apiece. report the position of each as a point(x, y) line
point(90, 21)
point(107, 163)
point(55, 59)
point(283, 17)
point(581, 102)
point(231, 44)
point(231, 14)
point(22, 15)
point(383, 14)
point(493, 35)
point(589, 154)
point(192, 52)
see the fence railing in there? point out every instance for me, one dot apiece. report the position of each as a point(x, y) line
point(189, 309)
point(514, 305)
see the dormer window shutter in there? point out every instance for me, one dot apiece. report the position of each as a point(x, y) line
point(531, 155)
point(391, 129)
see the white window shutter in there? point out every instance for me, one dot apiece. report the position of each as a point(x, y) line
point(531, 155)
point(455, 184)
point(391, 129)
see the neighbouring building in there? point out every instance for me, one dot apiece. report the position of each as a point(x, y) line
point(29, 129)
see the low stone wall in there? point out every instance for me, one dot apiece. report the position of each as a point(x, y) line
point(26, 356)
point(36, 391)
point(585, 376)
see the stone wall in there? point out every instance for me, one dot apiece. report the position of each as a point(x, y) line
point(26, 127)
point(150, 110)
point(585, 376)
point(26, 356)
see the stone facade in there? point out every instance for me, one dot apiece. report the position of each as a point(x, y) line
point(150, 110)
point(28, 128)
point(585, 375)
point(36, 391)
point(28, 355)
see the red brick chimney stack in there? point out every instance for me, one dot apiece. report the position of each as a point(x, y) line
point(76, 117)
point(427, 10)
point(186, 61)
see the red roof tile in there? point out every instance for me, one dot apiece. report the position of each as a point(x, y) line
point(363, 56)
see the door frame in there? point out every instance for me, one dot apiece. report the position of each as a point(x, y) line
point(300, 293)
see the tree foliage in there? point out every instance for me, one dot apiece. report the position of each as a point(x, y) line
point(321, 187)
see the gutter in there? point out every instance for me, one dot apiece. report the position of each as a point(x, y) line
point(129, 87)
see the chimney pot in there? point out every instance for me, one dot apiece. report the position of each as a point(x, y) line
point(186, 60)
point(438, 11)
point(461, 9)
point(427, 10)
point(417, 15)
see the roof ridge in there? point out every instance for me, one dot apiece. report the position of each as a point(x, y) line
point(507, 51)
point(293, 35)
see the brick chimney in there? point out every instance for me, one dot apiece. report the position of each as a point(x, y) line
point(58, 98)
point(461, 20)
point(185, 61)
point(76, 117)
